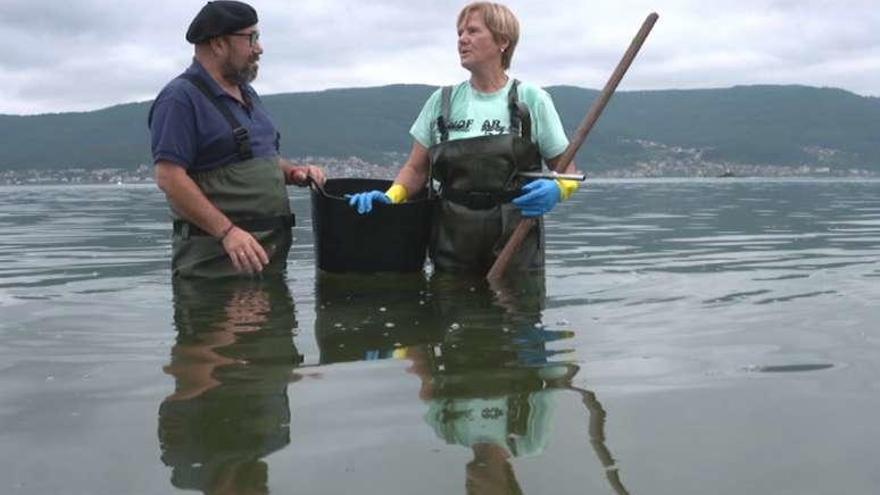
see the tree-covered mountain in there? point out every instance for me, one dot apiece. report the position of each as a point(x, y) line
point(776, 125)
point(767, 125)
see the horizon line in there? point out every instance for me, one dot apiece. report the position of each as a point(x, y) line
point(325, 90)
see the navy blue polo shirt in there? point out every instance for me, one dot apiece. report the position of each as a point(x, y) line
point(188, 130)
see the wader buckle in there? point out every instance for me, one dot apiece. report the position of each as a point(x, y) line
point(243, 141)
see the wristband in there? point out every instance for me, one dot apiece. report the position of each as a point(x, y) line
point(226, 231)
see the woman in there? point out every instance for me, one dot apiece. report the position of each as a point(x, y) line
point(472, 141)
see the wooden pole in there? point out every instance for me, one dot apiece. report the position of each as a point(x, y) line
point(525, 225)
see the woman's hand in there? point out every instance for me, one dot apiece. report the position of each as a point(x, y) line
point(539, 197)
point(363, 202)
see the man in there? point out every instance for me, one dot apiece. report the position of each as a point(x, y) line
point(216, 153)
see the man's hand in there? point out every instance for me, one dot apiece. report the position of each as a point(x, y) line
point(299, 175)
point(246, 253)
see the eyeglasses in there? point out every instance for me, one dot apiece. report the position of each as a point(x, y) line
point(253, 37)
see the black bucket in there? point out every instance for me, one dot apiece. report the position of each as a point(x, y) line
point(391, 238)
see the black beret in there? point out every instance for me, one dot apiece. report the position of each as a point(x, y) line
point(218, 18)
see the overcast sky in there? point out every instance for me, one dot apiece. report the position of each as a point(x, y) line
point(60, 56)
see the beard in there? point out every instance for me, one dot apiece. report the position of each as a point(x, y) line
point(240, 74)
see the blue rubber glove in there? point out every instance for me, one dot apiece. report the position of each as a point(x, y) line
point(363, 202)
point(538, 198)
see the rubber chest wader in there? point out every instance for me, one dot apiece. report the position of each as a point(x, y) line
point(477, 176)
point(251, 192)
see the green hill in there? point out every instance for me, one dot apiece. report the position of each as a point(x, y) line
point(777, 125)
point(768, 125)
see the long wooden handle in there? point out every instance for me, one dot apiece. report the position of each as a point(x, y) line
point(522, 229)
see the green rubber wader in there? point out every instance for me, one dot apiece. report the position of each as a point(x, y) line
point(467, 239)
point(247, 190)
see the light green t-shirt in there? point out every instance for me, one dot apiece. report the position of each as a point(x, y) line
point(473, 114)
point(468, 421)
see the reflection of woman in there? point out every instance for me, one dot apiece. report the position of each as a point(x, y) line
point(489, 372)
point(492, 377)
point(472, 140)
point(231, 364)
point(491, 384)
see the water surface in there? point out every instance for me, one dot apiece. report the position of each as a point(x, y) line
point(712, 336)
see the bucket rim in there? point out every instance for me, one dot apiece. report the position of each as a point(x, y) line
point(318, 188)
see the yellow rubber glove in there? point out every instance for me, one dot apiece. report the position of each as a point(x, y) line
point(397, 193)
point(567, 187)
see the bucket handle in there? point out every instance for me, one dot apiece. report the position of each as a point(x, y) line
point(320, 189)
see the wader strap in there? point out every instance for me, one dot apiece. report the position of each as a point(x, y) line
point(443, 119)
point(520, 118)
point(239, 132)
point(520, 124)
point(479, 200)
point(525, 119)
point(186, 229)
point(512, 100)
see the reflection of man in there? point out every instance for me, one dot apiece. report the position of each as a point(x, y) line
point(231, 364)
point(216, 152)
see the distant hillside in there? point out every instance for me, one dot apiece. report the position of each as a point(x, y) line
point(767, 125)
point(776, 125)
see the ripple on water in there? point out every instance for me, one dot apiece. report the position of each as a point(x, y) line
point(651, 285)
point(788, 368)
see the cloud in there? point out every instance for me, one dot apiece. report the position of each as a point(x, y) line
point(95, 53)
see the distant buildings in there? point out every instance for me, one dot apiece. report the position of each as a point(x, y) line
point(671, 162)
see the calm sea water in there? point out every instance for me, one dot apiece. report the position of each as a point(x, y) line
point(689, 337)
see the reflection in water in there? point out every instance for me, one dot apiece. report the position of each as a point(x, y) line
point(366, 317)
point(487, 373)
point(751, 335)
point(231, 364)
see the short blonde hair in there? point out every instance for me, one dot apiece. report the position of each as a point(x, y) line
point(501, 23)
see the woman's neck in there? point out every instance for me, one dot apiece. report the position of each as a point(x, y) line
point(489, 81)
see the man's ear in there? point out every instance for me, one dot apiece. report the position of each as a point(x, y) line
point(219, 45)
